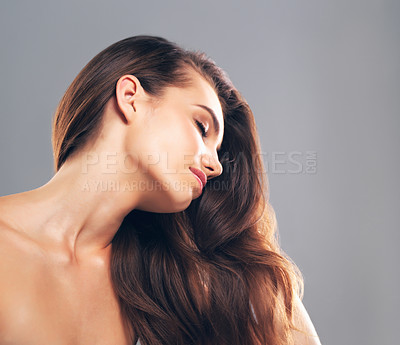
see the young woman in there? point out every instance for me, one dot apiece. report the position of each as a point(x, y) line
point(156, 225)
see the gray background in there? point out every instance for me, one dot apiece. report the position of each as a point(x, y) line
point(320, 76)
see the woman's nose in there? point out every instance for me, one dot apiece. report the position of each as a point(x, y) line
point(212, 165)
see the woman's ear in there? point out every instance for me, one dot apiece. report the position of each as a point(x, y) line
point(127, 92)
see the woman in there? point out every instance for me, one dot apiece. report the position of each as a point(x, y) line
point(156, 225)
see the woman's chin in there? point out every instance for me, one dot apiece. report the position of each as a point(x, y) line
point(175, 195)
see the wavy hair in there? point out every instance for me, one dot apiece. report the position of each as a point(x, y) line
point(213, 273)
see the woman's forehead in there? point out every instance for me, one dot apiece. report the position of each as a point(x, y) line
point(199, 92)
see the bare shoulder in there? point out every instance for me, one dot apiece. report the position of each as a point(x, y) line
point(302, 320)
point(18, 252)
point(18, 269)
point(11, 236)
point(305, 333)
point(15, 217)
point(11, 253)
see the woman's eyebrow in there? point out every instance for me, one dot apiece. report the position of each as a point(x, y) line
point(214, 117)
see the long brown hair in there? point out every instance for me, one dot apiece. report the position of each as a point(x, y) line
point(213, 273)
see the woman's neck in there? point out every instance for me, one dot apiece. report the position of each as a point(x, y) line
point(75, 214)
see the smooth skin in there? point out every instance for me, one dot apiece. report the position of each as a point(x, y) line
point(55, 285)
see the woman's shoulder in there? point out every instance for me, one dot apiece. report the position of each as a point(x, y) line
point(11, 233)
point(305, 333)
point(303, 321)
point(15, 216)
point(18, 264)
point(17, 249)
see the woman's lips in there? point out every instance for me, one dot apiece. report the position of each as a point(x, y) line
point(200, 176)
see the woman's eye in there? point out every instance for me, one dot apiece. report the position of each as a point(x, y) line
point(202, 128)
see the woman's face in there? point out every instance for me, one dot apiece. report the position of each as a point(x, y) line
point(167, 141)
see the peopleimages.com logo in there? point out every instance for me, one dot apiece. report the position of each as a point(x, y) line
point(291, 162)
point(275, 162)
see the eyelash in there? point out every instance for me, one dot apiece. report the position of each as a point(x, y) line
point(202, 128)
